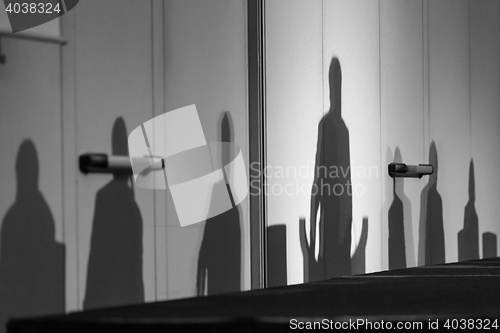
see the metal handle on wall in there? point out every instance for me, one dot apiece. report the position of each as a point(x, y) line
point(102, 163)
point(401, 170)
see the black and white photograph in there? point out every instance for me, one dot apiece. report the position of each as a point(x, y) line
point(249, 165)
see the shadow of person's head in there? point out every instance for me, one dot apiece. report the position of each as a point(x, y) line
point(389, 189)
point(27, 168)
point(398, 183)
point(472, 183)
point(119, 143)
point(335, 81)
point(433, 160)
point(226, 134)
point(226, 127)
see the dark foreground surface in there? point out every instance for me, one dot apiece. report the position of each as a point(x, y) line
point(459, 295)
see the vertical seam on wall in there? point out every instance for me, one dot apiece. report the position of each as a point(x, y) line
point(318, 239)
point(246, 226)
point(423, 87)
point(164, 71)
point(425, 103)
point(380, 134)
point(426, 16)
point(256, 69)
point(61, 109)
point(470, 83)
point(322, 54)
point(75, 110)
point(263, 153)
point(153, 104)
point(63, 201)
point(428, 75)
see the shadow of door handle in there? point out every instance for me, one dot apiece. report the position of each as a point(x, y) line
point(398, 170)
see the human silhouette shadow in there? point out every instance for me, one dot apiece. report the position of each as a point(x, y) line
point(331, 196)
point(114, 274)
point(489, 245)
point(402, 227)
point(276, 256)
point(358, 260)
point(468, 237)
point(219, 260)
point(408, 218)
point(422, 226)
point(32, 262)
point(397, 247)
point(431, 228)
point(388, 200)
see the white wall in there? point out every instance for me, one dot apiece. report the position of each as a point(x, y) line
point(133, 60)
point(350, 31)
point(294, 108)
point(401, 107)
point(450, 110)
point(205, 64)
point(413, 73)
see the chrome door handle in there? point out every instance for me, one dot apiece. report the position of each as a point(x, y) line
point(409, 171)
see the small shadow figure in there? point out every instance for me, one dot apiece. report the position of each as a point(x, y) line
point(396, 222)
point(114, 275)
point(489, 245)
point(31, 261)
point(359, 257)
point(219, 260)
point(468, 237)
point(276, 256)
point(431, 247)
point(331, 197)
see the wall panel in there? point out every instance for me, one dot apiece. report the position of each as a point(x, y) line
point(351, 33)
point(205, 64)
point(485, 115)
point(113, 79)
point(294, 103)
point(449, 105)
point(402, 124)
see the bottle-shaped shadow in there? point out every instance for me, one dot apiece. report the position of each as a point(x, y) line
point(468, 237)
point(219, 260)
point(397, 221)
point(31, 261)
point(408, 218)
point(388, 200)
point(114, 275)
point(431, 247)
point(359, 257)
point(331, 197)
